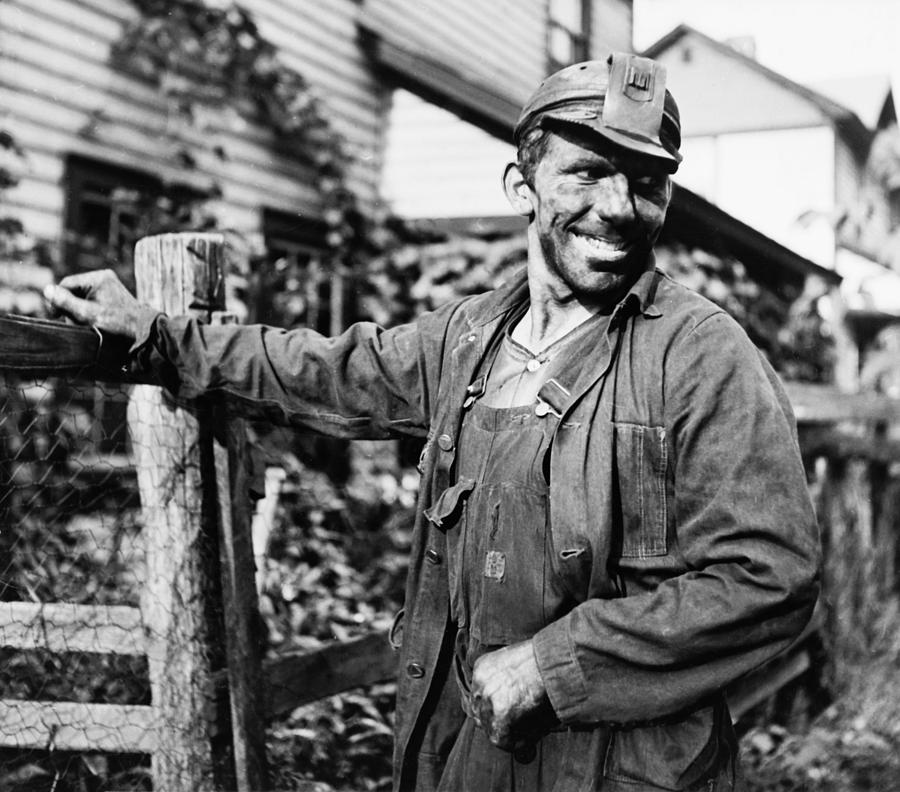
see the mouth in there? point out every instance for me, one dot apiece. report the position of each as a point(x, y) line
point(609, 249)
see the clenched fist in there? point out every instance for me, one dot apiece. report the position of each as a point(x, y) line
point(507, 688)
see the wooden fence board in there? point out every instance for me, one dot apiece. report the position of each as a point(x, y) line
point(67, 627)
point(294, 680)
point(765, 682)
point(822, 440)
point(239, 598)
point(826, 404)
point(69, 726)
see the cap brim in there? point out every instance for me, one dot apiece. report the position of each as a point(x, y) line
point(579, 118)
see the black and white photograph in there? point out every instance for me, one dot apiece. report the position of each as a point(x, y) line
point(449, 396)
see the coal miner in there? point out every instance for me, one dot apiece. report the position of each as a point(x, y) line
point(613, 521)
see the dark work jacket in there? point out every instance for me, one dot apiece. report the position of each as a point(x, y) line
point(675, 477)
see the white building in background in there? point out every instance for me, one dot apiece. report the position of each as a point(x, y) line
point(787, 159)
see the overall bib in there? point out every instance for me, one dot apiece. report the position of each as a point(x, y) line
point(502, 564)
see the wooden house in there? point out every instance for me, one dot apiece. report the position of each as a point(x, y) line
point(783, 157)
point(88, 130)
point(425, 95)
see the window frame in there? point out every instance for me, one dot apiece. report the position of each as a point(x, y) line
point(83, 176)
point(580, 40)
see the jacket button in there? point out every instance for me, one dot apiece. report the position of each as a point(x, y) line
point(415, 670)
point(432, 556)
point(445, 442)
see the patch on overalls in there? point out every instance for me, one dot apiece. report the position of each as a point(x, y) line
point(494, 565)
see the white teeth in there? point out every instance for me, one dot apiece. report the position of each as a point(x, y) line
point(599, 245)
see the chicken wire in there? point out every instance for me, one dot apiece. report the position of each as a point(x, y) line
point(69, 533)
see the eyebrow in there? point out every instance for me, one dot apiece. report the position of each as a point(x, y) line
point(592, 159)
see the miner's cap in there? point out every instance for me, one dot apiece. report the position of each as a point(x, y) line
point(623, 98)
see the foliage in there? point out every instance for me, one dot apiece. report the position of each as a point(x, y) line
point(17, 247)
point(204, 56)
point(840, 753)
point(69, 535)
point(335, 568)
point(12, 158)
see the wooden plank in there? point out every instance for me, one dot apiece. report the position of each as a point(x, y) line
point(239, 600)
point(79, 16)
point(70, 726)
point(767, 681)
point(294, 680)
point(825, 440)
point(826, 404)
point(67, 627)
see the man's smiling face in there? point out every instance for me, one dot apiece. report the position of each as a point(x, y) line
point(598, 209)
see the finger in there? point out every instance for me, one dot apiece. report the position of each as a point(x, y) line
point(62, 299)
point(85, 282)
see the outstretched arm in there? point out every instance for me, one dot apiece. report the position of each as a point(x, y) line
point(365, 383)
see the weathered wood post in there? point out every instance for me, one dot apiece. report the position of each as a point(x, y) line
point(187, 527)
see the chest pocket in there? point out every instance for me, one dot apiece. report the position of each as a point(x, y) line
point(641, 464)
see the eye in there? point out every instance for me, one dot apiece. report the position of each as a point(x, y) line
point(592, 172)
point(645, 184)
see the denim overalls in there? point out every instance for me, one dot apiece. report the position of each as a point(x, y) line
point(502, 563)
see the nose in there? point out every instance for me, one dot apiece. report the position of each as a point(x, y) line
point(612, 198)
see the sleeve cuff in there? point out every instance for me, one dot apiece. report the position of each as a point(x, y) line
point(141, 351)
point(144, 327)
point(565, 683)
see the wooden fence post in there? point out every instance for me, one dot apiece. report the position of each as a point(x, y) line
point(240, 601)
point(185, 530)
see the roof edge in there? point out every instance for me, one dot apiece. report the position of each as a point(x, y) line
point(743, 238)
point(840, 115)
point(471, 99)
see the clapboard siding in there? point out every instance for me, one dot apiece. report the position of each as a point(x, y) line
point(49, 48)
point(242, 178)
point(86, 20)
point(58, 124)
point(474, 37)
point(61, 96)
point(143, 148)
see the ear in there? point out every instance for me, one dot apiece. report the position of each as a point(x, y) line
point(518, 193)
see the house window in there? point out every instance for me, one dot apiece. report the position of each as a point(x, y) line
point(108, 208)
point(101, 223)
point(103, 214)
point(568, 27)
point(295, 288)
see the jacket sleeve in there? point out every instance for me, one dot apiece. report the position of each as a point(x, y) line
point(738, 578)
point(365, 383)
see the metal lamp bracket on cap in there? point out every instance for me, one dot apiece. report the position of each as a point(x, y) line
point(635, 96)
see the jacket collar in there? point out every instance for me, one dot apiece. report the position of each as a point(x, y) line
point(641, 295)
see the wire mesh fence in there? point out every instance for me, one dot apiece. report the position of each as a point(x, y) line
point(72, 665)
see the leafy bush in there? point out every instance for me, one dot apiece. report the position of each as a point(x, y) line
point(336, 568)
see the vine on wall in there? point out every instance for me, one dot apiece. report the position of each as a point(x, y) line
point(202, 56)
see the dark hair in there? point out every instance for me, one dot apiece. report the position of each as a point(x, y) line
point(533, 144)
